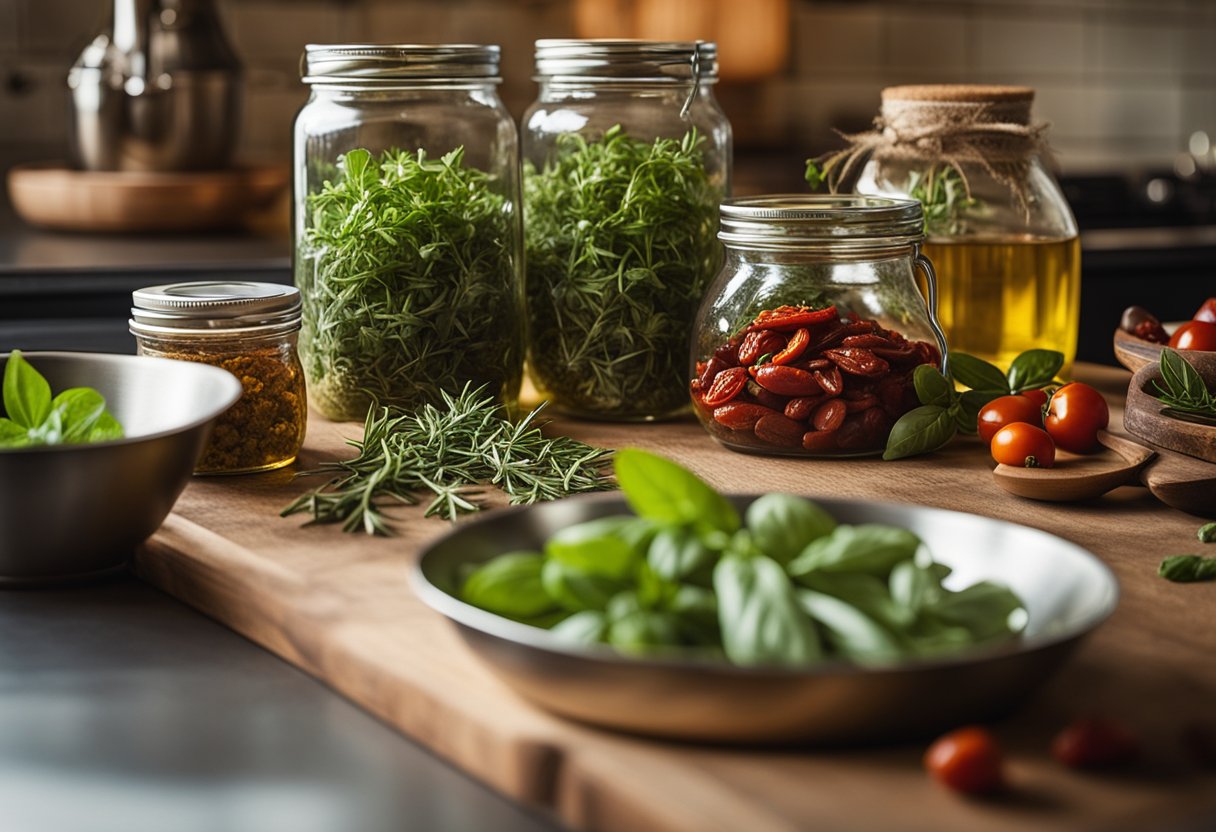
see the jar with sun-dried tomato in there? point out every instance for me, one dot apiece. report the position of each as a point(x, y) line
point(807, 340)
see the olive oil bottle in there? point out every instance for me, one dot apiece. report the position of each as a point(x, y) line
point(1001, 296)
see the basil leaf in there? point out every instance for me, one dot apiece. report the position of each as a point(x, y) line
point(80, 408)
point(27, 395)
point(104, 429)
point(50, 432)
point(582, 628)
point(966, 411)
point(599, 547)
point(933, 637)
point(986, 610)
point(854, 634)
point(915, 586)
point(1187, 569)
point(1034, 369)
point(509, 585)
point(931, 386)
point(867, 593)
point(642, 631)
point(577, 590)
point(870, 548)
point(920, 431)
point(781, 525)
point(12, 435)
point(696, 609)
point(659, 489)
point(759, 615)
point(1207, 533)
point(677, 553)
point(977, 373)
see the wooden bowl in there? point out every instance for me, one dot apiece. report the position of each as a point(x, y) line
point(61, 199)
point(1134, 353)
point(1142, 416)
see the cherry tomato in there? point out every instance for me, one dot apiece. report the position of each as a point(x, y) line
point(1194, 335)
point(967, 760)
point(1094, 742)
point(1075, 414)
point(1023, 446)
point(1207, 312)
point(1039, 397)
point(1005, 411)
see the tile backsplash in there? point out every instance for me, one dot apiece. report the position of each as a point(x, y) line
point(1123, 82)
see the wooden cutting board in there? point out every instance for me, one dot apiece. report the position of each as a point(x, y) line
point(339, 607)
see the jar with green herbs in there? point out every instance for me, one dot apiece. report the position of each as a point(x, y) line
point(998, 227)
point(407, 228)
point(626, 157)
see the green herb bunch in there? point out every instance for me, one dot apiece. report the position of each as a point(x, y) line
point(408, 275)
point(784, 585)
point(621, 244)
point(941, 189)
point(945, 412)
point(78, 415)
point(445, 452)
point(1183, 391)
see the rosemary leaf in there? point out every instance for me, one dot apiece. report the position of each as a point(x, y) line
point(446, 452)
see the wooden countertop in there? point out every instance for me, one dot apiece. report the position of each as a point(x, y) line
point(339, 607)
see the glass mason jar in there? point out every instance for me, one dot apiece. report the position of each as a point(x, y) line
point(807, 339)
point(250, 330)
point(1000, 231)
point(626, 157)
point(407, 228)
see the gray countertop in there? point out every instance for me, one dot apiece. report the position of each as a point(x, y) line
point(122, 710)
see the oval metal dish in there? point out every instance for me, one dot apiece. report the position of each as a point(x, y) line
point(1067, 590)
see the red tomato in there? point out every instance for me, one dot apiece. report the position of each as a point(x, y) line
point(967, 760)
point(1207, 312)
point(1023, 446)
point(1075, 414)
point(1194, 335)
point(1094, 742)
point(1005, 411)
point(1039, 397)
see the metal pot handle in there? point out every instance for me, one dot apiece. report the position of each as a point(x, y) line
point(926, 266)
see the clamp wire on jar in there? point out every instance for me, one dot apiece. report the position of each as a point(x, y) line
point(626, 157)
point(809, 336)
point(407, 228)
point(250, 330)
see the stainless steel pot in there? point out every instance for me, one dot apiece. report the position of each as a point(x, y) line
point(158, 89)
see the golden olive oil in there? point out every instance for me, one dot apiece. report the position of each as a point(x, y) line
point(1001, 296)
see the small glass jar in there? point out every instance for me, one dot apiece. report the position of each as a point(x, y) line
point(250, 330)
point(626, 157)
point(808, 338)
point(407, 228)
point(1000, 231)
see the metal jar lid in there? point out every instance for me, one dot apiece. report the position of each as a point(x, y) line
point(215, 309)
point(649, 61)
point(845, 222)
point(386, 64)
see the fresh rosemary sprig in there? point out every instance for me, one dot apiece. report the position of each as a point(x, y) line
point(446, 452)
point(620, 240)
point(1184, 393)
point(408, 276)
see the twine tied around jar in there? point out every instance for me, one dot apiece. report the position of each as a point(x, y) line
point(954, 125)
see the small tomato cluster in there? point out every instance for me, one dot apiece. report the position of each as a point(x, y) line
point(1024, 430)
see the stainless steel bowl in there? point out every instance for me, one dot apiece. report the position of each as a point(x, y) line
point(1067, 591)
point(76, 511)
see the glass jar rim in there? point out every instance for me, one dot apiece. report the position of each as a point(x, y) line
point(588, 60)
point(808, 221)
point(392, 63)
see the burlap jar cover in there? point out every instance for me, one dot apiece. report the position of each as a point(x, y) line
point(955, 125)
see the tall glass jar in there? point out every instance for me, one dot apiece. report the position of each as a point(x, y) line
point(1000, 232)
point(626, 157)
point(407, 228)
point(808, 338)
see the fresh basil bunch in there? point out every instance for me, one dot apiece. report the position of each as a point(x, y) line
point(945, 411)
point(783, 585)
point(77, 415)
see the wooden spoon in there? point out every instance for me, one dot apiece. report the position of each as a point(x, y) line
point(1178, 481)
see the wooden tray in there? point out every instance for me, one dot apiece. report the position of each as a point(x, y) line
point(61, 199)
point(1144, 419)
point(339, 607)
